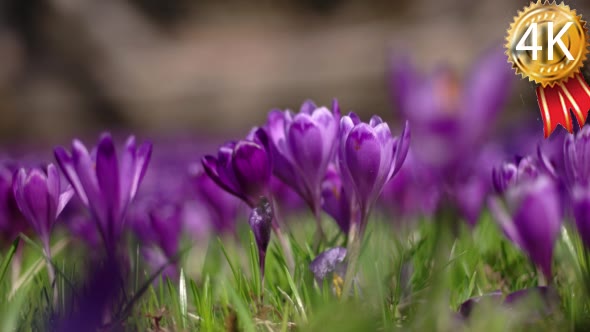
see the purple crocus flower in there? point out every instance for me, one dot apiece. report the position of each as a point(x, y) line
point(330, 264)
point(242, 168)
point(221, 205)
point(105, 183)
point(302, 146)
point(41, 198)
point(158, 226)
point(533, 219)
point(451, 124)
point(450, 120)
point(11, 219)
point(261, 224)
point(509, 174)
point(369, 157)
point(335, 201)
point(576, 151)
point(413, 192)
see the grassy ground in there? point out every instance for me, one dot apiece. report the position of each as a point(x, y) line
point(410, 278)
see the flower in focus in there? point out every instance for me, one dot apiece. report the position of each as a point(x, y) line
point(335, 200)
point(302, 146)
point(222, 207)
point(41, 198)
point(369, 157)
point(261, 224)
point(105, 183)
point(241, 168)
point(533, 219)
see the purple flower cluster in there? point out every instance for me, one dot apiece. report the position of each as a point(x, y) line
point(539, 191)
point(340, 164)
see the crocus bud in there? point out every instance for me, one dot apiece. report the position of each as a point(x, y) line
point(241, 168)
point(369, 157)
point(533, 219)
point(261, 224)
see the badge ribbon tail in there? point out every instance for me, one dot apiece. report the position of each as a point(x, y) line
point(557, 101)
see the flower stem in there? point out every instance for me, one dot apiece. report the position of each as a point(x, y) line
point(284, 244)
point(51, 273)
point(353, 251)
point(282, 239)
point(320, 234)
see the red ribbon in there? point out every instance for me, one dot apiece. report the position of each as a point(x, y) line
point(557, 101)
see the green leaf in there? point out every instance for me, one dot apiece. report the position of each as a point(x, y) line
point(8, 258)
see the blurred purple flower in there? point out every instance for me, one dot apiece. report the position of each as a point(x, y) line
point(534, 219)
point(509, 174)
point(97, 297)
point(330, 264)
point(449, 121)
point(41, 198)
point(329, 261)
point(335, 201)
point(11, 219)
point(261, 224)
point(241, 168)
point(104, 183)
point(158, 227)
point(369, 157)
point(576, 150)
point(222, 207)
point(302, 146)
point(469, 186)
point(413, 192)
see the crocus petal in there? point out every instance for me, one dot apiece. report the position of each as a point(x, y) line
point(581, 209)
point(18, 189)
point(107, 175)
point(504, 221)
point(363, 159)
point(144, 154)
point(375, 121)
point(306, 146)
point(327, 262)
point(37, 199)
point(488, 88)
point(53, 186)
point(307, 107)
point(64, 199)
point(66, 165)
point(210, 167)
point(251, 168)
point(401, 149)
point(85, 169)
point(537, 217)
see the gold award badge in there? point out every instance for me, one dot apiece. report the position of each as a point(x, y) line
point(548, 44)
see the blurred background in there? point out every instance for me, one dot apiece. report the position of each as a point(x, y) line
point(173, 67)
